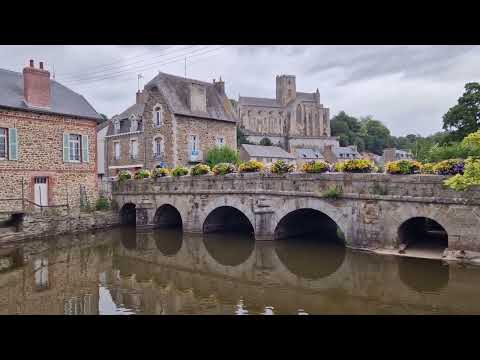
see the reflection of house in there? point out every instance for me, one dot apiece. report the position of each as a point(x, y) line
point(47, 139)
point(174, 121)
point(340, 153)
point(265, 154)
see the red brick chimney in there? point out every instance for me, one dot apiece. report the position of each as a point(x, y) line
point(36, 86)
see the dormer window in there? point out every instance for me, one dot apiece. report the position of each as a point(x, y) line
point(198, 98)
point(116, 125)
point(158, 116)
point(133, 124)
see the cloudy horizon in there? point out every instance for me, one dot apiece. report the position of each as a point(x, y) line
point(408, 88)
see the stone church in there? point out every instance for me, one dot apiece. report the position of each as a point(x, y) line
point(293, 120)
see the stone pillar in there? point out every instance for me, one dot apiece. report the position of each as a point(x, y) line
point(263, 219)
point(145, 211)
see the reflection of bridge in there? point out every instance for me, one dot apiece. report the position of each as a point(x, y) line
point(194, 281)
point(370, 212)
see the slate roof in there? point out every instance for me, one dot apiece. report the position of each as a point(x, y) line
point(176, 90)
point(345, 150)
point(254, 101)
point(267, 151)
point(309, 154)
point(63, 100)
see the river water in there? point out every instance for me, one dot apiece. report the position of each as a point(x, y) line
point(121, 271)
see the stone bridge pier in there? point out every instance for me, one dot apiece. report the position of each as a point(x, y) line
point(374, 210)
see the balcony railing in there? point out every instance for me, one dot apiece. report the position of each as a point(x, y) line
point(196, 155)
point(159, 156)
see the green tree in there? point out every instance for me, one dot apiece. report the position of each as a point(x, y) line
point(222, 154)
point(104, 117)
point(375, 135)
point(241, 138)
point(464, 118)
point(266, 142)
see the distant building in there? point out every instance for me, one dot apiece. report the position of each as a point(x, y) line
point(393, 154)
point(174, 121)
point(265, 154)
point(291, 120)
point(306, 155)
point(340, 153)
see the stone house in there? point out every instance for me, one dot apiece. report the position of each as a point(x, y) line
point(47, 141)
point(173, 122)
point(292, 119)
point(265, 154)
point(340, 153)
point(307, 155)
point(393, 154)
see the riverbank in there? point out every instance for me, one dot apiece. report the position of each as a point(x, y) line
point(37, 225)
point(468, 257)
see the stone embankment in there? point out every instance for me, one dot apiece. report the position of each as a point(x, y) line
point(37, 225)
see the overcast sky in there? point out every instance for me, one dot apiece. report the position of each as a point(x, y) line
point(408, 88)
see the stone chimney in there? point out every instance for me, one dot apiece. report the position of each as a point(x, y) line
point(36, 86)
point(389, 155)
point(219, 85)
point(140, 97)
point(329, 154)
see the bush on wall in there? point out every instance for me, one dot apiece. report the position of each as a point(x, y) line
point(200, 169)
point(180, 171)
point(355, 166)
point(403, 167)
point(315, 166)
point(223, 169)
point(281, 167)
point(250, 166)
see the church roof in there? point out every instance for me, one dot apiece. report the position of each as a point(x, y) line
point(256, 101)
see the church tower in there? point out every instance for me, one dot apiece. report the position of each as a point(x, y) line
point(286, 89)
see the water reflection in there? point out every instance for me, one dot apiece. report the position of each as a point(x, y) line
point(161, 272)
point(423, 275)
point(229, 249)
point(309, 258)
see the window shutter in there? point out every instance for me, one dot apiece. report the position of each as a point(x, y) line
point(85, 149)
point(66, 147)
point(13, 144)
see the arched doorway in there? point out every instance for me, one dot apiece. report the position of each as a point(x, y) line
point(167, 216)
point(128, 214)
point(423, 235)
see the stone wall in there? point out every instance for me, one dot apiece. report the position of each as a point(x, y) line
point(52, 223)
point(40, 153)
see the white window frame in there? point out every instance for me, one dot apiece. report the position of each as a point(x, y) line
point(115, 157)
point(133, 154)
point(5, 137)
point(195, 147)
point(157, 116)
point(77, 141)
point(158, 139)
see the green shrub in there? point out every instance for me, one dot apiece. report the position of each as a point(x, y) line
point(222, 154)
point(124, 175)
point(223, 169)
point(282, 167)
point(403, 167)
point(250, 166)
point(333, 192)
point(266, 142)
point(102, 204)
point(315, 166)
point(355, 166)
point(142, 174)
point(160, 172)
point(180, 171)
point(199, 169)
point(470, 177)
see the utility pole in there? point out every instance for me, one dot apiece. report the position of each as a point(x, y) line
point(185, 67)
point(53, 76)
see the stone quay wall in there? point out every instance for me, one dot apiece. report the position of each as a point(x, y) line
point(53, 223)
point(369, 212)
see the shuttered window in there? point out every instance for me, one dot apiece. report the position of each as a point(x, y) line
point(3, 144)
point(8, 144)
point(75, 148)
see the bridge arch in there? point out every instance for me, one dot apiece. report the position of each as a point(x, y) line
point(308, 207)
point(242, 210)
point(423, 232)
point(128, 213)
point(227, 219)
point(168, 216)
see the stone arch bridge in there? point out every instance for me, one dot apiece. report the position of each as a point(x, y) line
point(370, 210)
